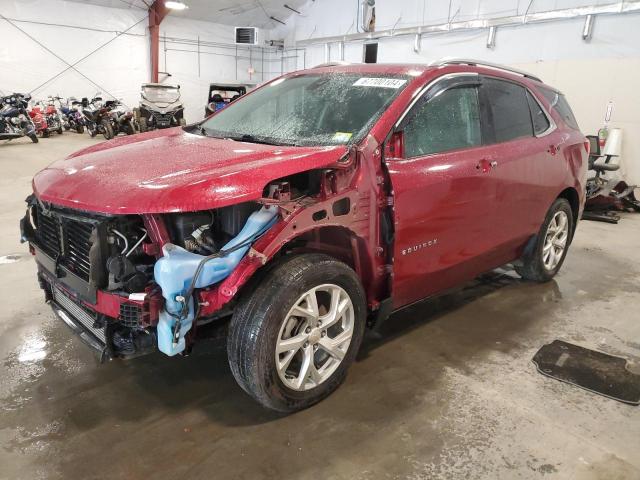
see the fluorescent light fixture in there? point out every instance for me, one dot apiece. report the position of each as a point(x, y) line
point(175, 5)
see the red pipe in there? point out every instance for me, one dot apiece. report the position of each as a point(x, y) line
point(157, 12)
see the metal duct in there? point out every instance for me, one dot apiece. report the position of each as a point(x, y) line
point(587, 31)
point(629, 6)
point(491, 37)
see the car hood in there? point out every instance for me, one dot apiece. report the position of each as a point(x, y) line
point(171, 171)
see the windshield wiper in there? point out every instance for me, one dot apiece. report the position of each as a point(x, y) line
point(264, 140)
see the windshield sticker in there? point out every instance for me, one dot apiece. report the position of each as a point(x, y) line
point(379, 82)
point(341, 136)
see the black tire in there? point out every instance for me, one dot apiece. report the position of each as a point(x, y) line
point(531, 265)
point(45, 134)
point(67, 127)
point(33, 137)
point(129, 128)
point(80, 128)
point(108, 130)
point(60, 130)
point(257, 320)
point(92, 131)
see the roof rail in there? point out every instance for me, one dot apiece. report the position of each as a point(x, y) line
point(460, 61)
point(336, 63)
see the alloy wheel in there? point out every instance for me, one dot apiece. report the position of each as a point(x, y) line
point(555, 240)
point(314, 337)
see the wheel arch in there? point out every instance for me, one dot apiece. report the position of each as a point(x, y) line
point(571, 195)
point(336, 241)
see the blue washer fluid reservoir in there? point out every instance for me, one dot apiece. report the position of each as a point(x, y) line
point(175, 270)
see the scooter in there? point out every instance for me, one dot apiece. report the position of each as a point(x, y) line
point(15, 121)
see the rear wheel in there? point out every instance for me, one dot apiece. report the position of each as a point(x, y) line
point(544, 260)
point(33, 137)
point(292, 338)
point(80, 128)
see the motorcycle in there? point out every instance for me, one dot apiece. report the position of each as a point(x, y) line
point(36, 113)
point(122, 118)
point(97, 117)
point(54, 119)
point(15, 121)
point(75, 118)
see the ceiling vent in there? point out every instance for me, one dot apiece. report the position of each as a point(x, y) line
point(246, 35)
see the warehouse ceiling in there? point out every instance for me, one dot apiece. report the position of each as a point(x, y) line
point(245, 13)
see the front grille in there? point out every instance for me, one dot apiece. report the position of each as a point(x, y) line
point(65, 239)
point(79, 313)
point(130, 315)
point(77, 244)
point(163, 119)
point(48, 235)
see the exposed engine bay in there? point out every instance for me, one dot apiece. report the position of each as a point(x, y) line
point(93, 261)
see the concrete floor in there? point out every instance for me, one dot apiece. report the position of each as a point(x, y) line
point(449, 391)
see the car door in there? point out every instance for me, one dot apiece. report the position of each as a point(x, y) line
point(443, 190)
point(526, 172)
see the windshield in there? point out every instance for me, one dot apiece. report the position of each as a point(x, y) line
point(327, 109)
point(161, 94)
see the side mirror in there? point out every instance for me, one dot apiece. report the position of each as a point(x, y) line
point(394, 146)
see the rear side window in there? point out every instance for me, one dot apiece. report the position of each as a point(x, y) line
point(538, 117)
point(559, 104)
point(509, 116)
point(448, 121)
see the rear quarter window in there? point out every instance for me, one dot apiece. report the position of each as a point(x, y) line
point(559, 104)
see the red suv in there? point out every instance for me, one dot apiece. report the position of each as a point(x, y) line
point(304, 212)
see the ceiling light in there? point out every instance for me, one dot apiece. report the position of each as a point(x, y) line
point(175, 5)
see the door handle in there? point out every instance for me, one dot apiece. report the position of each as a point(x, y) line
point(486, 165)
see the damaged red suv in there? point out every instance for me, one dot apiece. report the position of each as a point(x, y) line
point(305, 212)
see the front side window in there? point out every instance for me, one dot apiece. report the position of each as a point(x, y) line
point(448, 121)
point(509, 110)
point(319, 109)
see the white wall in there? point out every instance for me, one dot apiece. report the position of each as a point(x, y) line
point(590, 73)
point(218, 60)
point(123, 65)
point(119, 68)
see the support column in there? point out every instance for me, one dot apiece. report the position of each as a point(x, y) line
point(157, 12)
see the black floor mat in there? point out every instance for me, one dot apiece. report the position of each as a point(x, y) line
point(588, 369)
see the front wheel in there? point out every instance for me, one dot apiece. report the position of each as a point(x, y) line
point(33, 137)
point(107, 130)
point(293, 337)
point(80, 128)
point(543, 261)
